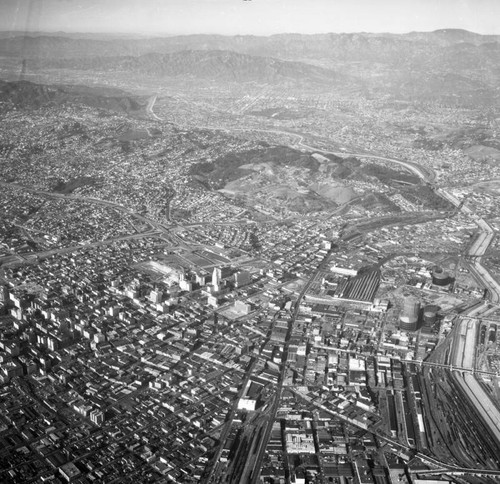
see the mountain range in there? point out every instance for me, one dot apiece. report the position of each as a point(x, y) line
point(212, 64)
point(450, 65)
point(352, 46)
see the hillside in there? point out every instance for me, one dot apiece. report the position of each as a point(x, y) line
point(25, 94)
point(280, 176)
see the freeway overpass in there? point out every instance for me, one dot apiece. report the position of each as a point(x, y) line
point(452, 367)
point(444, 468)
point(421, 363)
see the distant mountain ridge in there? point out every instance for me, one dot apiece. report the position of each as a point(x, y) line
point(415, 49)
point(214, 65)
point(453, 66)
point(280, 46)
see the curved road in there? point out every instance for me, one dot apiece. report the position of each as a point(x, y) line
point(426, 174)
point(97, 201)
point(149, 108)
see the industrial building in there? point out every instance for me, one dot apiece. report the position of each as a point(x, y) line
point(362, 287)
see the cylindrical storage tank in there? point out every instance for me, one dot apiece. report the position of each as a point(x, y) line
point(430, 313)
point(440, 277)
point(408, 319)
point(493, 334)
point(407, 324)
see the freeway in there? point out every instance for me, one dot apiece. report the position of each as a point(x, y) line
point(149, 108)
point(478, 248)
point(153, 224)
point(486, 232)
point(451, 367)
point(463, 353)
point(464, 335)
point(418, 170)
point(33, 256)
point(97, 201)
point(155, 228)
point(442, 468)
point(426, 174)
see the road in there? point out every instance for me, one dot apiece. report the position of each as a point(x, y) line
point(418, 170)
point(255, 472)
point(478, 248)
point(463, 337)
point(149, 108)
point(33, 256)
point(155, 228)
point(227, 425)
point(426, 174)
point(98, 201)
point(442, 468)
point(452, 367)
point(463, 353)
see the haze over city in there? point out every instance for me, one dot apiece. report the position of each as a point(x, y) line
point(248, 17)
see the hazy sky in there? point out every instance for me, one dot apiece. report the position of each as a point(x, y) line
point(260, 17)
